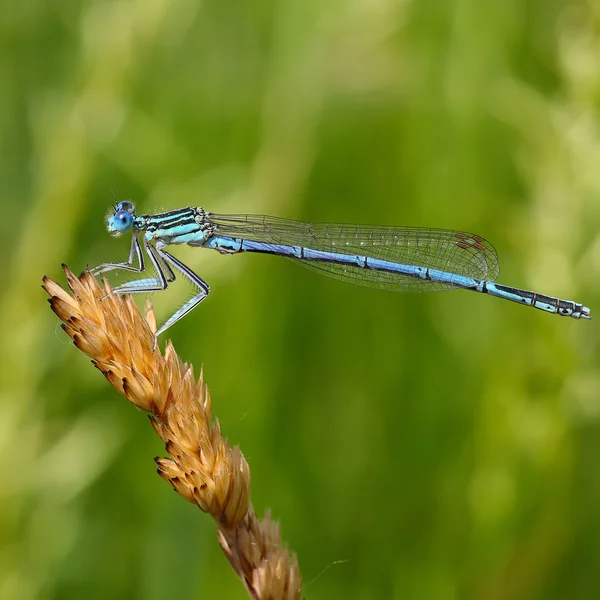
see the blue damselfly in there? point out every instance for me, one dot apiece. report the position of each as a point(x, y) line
point(402, 259)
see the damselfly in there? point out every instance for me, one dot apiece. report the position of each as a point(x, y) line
point(401, 259)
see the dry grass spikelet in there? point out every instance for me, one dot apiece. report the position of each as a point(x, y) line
point(202, 467)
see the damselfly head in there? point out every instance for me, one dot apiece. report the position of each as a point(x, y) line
point(120, 219)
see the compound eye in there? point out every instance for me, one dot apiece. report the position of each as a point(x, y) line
point(122, 221)
point(126, 205)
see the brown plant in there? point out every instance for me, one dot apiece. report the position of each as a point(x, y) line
point(202, 467)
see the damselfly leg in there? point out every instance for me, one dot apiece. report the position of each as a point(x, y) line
point(164, 264)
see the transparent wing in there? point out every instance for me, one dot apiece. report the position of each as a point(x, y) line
point(455, 252)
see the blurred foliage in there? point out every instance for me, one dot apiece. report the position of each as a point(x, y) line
point(426, 447)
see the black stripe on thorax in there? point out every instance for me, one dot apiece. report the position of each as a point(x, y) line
point(175, 218)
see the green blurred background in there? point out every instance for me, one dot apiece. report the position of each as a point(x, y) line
point(440, 446)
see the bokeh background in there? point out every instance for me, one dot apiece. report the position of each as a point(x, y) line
point(440, 446)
